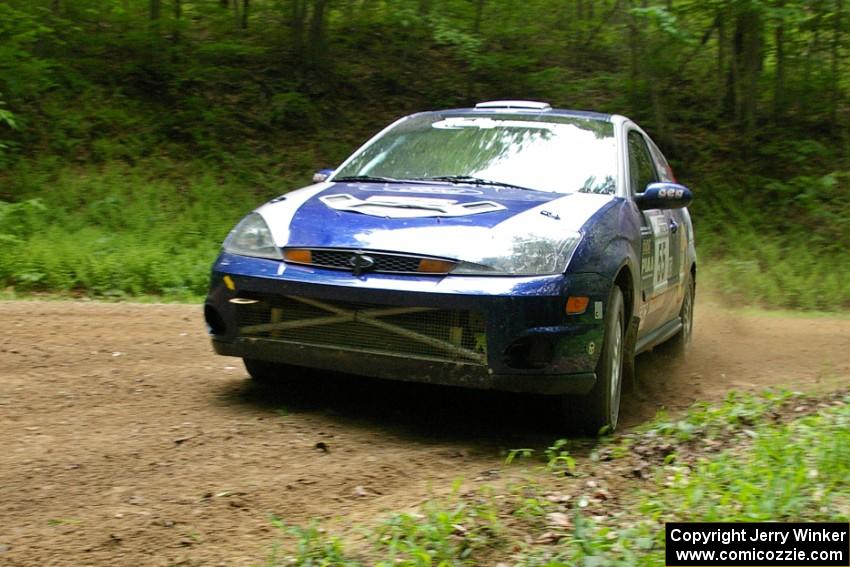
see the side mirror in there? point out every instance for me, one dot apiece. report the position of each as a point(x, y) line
point(664, 196)
point(322, 175)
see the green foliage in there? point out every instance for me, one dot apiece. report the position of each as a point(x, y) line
point(294, 111)
point(558, 458)
point(124, 231)
point(7, 119)
point(748, 99)
point(514, 454)
point(708, 421)
point(314, 548)
point(466, 45)
point(445, 533)
point(449, 531)
point(23, 72)
point(795, 471)
point(779, 253)
point(762, 465)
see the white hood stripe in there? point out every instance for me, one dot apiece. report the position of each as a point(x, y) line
point(278, 215)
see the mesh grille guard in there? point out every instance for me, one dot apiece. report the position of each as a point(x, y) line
point(420, 332)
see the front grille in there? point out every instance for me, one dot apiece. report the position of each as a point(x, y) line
point(434, 334)
point(388, 263)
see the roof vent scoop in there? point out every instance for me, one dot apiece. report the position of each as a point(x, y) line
point(517, 104)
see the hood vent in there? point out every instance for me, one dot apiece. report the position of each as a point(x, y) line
point(403, 207)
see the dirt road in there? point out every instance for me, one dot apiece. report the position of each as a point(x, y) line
point(125, 441)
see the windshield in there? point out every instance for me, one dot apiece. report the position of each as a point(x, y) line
point(561, 154)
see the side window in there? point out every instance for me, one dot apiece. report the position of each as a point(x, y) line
point(665, 172)
point(641, 169)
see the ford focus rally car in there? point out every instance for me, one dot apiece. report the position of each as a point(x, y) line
point(511, 246)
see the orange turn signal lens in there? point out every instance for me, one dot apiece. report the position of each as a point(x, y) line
point(427, 266)
point(298, 255)
point(576, 305)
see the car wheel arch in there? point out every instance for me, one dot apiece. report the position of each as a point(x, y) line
point(626, 281)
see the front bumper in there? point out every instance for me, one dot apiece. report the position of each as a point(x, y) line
point(531, 344)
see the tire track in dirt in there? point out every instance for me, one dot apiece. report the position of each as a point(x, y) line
point(125, 441)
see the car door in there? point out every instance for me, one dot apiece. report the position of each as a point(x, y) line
point(678, 224)
point(656, 232)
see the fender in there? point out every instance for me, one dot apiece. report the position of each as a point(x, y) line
point(611, 241)
point(612, 244)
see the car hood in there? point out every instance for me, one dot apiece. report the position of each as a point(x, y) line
point(449, 221)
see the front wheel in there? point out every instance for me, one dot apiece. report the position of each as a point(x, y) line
point(599, 410)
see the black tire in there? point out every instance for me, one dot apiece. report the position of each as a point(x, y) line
point(680, 343)
point(264, 372)
point(598, 411)
point(629, 368)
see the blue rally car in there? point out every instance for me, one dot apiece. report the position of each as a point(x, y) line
point(511, 246)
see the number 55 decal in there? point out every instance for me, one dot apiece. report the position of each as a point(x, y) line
point(661, 254)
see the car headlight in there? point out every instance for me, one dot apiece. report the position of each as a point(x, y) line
point(252, 237)
point(530, 255)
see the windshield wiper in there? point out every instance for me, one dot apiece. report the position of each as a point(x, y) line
point(377, 179)
point(368, 179)
point(472, 180)
point(469, 179)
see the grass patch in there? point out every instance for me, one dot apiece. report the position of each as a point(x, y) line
point(777, 248)
point(115, 230)
point(118, 231)
point(774, 273)
point(777, 456)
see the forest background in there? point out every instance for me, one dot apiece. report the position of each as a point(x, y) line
point(135, 133)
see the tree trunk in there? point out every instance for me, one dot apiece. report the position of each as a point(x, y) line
point(479, 12)
point(745, 67)
point(299, 17)
point(779, 84)
point(836, 43)
point(634, 56)
point(178, 13)
point(245, 14)
point(155, 13)
point(731, 102)
point(812, 52)
point(660, 118)
point(751, 64)
point(721, 57)
point(317, 47)
point(125, 5)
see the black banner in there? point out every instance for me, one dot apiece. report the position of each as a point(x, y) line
point(763, 544)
